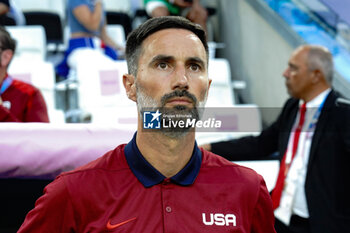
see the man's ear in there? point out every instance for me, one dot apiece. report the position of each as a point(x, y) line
point(6, 57)
point(209, 83)
point(129, 85)
point(316, 76)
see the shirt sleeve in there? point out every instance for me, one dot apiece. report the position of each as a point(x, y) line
point(53, 212)
point(263, 216)
point(36, 109)
point(249, 147)
point(75, 3)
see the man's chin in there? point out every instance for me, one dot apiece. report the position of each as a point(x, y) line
point(176, 133)
point(178, 109)
point(293, 94)
point(289, 91)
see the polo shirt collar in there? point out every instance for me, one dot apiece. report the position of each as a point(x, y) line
point(149, 176)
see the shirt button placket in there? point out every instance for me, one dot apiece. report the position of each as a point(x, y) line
point(169, 220)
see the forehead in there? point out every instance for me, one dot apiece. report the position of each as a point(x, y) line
point(299, 56)
point(171, 41)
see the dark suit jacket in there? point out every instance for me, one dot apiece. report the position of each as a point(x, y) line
point(328, 175)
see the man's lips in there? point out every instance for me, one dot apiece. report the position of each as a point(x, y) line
point(179, 101)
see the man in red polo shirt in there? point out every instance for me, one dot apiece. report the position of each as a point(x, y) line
point(19, 101)
point(160, 181)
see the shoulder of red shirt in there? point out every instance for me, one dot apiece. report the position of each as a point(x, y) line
point(24, 87)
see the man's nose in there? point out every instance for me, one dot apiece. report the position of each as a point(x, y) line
point(286, 72)
point(180, 78)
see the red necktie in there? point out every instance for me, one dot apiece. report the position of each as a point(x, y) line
point(277, 191)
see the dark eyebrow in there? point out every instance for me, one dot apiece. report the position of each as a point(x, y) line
point(292, 65)
point(197, 60)
point(161, 58)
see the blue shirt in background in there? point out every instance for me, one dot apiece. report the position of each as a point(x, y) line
point(74, 24)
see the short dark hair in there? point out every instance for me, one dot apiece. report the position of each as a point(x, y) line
point(136, 37)
point(6, 41)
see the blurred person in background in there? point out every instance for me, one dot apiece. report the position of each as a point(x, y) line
point(312, 137)
point(10, 14)
point(19, 101)
point(89, 39)
point(191, 9)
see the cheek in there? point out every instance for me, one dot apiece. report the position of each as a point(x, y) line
point(293, 80)
point(201, 87)
point(152, 88)
point(153, 77)
point(203, 95)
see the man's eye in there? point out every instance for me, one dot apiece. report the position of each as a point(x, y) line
point(293, 68)
point(194, 67)
point(162, 65)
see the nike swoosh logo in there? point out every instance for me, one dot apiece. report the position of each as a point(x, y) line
point(113, 226)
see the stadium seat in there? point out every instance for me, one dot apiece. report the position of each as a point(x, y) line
point(101, 93)
point(120, 18)
point(50, 21)
point(116, 33)
point(31, 41)
point(117, 6)
point(56, 6)
point(221, 91)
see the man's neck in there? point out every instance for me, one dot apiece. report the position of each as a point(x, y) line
point(314, 93)
point(167, 155)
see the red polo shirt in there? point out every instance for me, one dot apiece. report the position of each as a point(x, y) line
point(122, 192)
point(24, 104)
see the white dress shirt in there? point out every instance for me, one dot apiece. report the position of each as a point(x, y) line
point(293, 200)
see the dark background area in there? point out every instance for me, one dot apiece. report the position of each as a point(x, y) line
point(17, 197)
